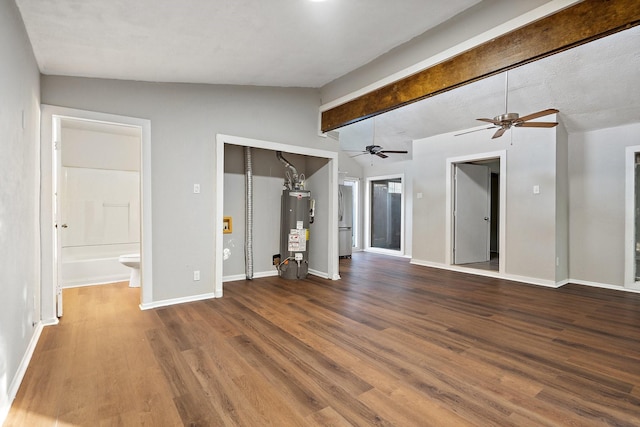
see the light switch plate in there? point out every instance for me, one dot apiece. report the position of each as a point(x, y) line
point(196, 188)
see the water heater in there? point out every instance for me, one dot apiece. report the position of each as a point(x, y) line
point(294, 234)
point(296, 214)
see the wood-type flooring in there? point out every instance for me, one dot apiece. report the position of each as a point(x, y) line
point(391, 344)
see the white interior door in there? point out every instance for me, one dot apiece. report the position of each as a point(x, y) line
point(472, 207)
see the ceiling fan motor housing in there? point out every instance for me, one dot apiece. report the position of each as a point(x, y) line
point(373, 149)
point(506, 119)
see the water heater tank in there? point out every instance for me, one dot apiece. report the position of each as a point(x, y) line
point(294, 234)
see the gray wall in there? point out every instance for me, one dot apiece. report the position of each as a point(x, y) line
point(531, 219)
point(185, 119)
point(268, 180)
point(19, 195)
point(597, 203)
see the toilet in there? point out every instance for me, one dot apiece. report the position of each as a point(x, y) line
point(132, 261)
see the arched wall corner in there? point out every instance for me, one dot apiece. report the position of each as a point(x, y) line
point(51, 114)
point(331, 210)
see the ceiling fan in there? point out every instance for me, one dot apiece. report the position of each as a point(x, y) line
point(376, 150)
point(506, 121)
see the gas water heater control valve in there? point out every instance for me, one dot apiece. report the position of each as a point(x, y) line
point(298, 256)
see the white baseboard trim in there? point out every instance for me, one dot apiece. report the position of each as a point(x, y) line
point(604, 286)
point(50, 322)
point(167, 302)
point(259, 275)
point(385, 252)
point(114, 279)
point(497, 275)
point(271, 274)
point(22, 370)
point(100, 280)
point(523, 279)
point(320, 274)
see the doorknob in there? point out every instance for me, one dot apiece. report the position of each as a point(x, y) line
point(66, 226)
point(486, 218)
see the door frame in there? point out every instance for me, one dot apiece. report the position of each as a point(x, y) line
point(629, 223)
point(51, 116)
point(356, 226)
point(331, 209)
point(450, 198)
point(367, 215)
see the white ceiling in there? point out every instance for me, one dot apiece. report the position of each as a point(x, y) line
point(299, 43)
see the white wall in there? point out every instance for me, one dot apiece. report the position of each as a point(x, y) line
point(530, 246)
point(597, 203)
point(85, 148)
point(185, 119)
point(19, 195)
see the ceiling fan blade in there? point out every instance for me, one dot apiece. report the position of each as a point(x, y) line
point(384, 156)
point(495, 122)
point(475, 130)
point(357, 155)
point(394, 151)
point(537, 124)
point(536, 115)
point(498, 133)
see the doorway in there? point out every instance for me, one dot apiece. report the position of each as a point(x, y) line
point(98, 195)
point(354, 184)
point(385, 204)
point(325, 187)
point(475, 220)
point(476, 214)
point(52, 117)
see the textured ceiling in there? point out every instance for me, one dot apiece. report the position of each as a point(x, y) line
point(308, 44)
point(594, 86)
point(297, 43)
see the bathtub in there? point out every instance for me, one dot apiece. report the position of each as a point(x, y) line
point(95, 265)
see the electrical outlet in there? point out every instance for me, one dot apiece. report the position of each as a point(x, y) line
point(196, 188)
point(196, 275)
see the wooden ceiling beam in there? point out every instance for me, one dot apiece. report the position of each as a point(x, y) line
point(576, 25)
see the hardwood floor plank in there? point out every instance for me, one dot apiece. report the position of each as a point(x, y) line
point(389, 344)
